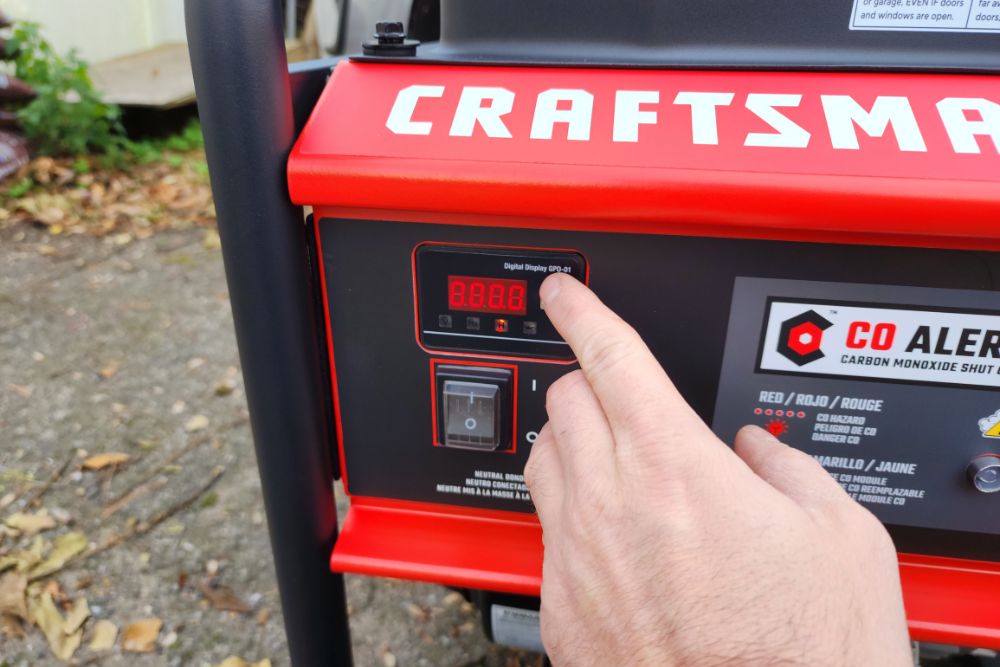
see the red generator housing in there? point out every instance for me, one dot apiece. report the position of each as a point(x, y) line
point(694, 199)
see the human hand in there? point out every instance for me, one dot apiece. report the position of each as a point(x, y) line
point(664, 547)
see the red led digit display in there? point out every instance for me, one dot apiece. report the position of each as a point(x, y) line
point(488, 295)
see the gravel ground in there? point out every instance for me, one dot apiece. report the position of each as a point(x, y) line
point(130, 348)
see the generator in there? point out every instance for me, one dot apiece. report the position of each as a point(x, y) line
point(797, 205)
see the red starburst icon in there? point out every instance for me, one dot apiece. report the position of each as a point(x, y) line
point(777, 427)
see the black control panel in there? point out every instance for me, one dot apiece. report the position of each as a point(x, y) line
point(878, 361)
point(485, 299)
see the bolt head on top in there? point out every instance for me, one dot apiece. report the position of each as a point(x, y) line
point(390, 32)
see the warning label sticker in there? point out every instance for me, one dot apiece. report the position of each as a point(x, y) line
point(891, 388)
point(880, 342)
point(518, 627)
point(927, 15)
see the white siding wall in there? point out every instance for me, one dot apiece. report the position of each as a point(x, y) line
point(103, 29)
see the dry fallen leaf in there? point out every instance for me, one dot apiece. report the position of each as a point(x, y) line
point(22, 561)
point(417, 612)
point(7, 499)
point(24, 391)
point(140, 637)
point(12, 588)
point(105, 633)
point(29, 524)
point(233, 661)
point(77, 616)
point(211, 240)
point(453, 598)
point(222, 597)
point(11, 627)
point(101, 461)
point(51, 587)
point(225, 387)
point(64, 548)
point(110, 369)
point(196, 423)
point(46, 616)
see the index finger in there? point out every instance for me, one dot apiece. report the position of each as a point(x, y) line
point(632, 387)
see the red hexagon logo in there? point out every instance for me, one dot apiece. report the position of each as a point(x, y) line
point(801, 337)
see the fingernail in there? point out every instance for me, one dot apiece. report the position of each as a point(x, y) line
point(550, 289)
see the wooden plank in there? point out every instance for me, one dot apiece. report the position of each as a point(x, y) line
point(158, 77)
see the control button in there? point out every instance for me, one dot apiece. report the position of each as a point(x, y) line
point(475, 406)
point(984, 473)
point(472, 323)
point(444, 321)
point(530, 328)
point(472, 414)
point(501, 325)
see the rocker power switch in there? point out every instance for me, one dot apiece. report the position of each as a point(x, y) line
point(474, 407)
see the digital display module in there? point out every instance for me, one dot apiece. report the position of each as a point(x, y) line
point(484, 299)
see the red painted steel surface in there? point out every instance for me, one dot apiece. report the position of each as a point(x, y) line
point(348, 163)
point(499, 551)
point(347, 157)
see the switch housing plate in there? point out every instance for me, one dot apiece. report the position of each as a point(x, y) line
point(477, 379)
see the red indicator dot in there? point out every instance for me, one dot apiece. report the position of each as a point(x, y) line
point(802, 415)
point(780, 413)
point(769, 411)
point(757, 411)
point(777, 427)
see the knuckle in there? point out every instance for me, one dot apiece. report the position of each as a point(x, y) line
point(873, 530)
point(608, 347)
point(786, 461)
point(562, 390)
point(852, 518)
point(791, 460)
point(534, 469)
point(531, 471)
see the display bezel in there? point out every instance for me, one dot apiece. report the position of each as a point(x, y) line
point(483, 333)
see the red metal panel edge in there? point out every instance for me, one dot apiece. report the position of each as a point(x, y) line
point(947, 600)
point(952, 601)
point(497, 551)
point(841, 204)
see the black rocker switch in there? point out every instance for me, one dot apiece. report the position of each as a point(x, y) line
point(475, 407)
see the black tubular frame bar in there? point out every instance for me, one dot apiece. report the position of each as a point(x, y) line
point(245, 100)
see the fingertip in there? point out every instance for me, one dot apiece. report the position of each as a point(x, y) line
point(753, 444)
point(550, 289)
point(752, 434)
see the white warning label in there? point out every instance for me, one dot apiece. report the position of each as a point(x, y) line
point(881, 342)
point(516, 627)
point(927, 15)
